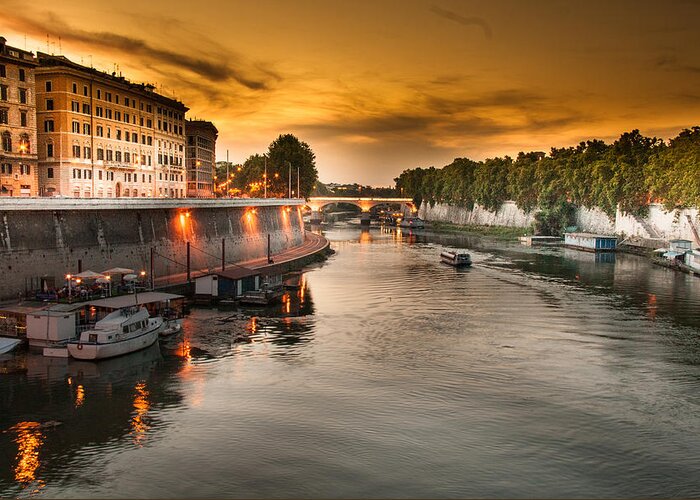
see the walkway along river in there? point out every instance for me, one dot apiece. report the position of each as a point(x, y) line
point(536, 373)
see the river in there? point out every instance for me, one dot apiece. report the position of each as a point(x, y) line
point(536, 373)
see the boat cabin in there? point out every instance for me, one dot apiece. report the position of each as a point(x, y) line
point(227, 284)
point(456, 259)
point(591, 242)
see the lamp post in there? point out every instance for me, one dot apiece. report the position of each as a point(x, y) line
point(265, 176)
point(68, 277)
point(197, 164)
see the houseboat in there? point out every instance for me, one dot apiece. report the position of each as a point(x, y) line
point(120, 332)
point(456, 259)
point(590, 242)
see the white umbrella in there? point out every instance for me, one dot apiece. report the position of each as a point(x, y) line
point(88, 275)
point(118, 270)
point(102, 280)
point(130, 277)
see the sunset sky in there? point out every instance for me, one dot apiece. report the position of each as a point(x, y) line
point(379, 86)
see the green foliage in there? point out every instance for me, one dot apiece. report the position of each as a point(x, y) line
point(552, 220)
point(285, 153)
point(628, 174)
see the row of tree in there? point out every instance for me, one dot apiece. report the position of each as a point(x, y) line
point(629, 173)
point(287, 157)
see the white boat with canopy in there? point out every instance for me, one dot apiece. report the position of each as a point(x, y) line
point(120, 332)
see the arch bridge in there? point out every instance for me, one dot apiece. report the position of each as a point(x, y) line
point(317, 203)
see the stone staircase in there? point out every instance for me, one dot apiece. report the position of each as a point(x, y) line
point(694, 230)
point(652, 233)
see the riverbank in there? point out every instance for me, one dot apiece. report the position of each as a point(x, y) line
point(497, 232)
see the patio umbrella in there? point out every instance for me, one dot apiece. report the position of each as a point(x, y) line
point(130, 277)
point(118, 270)
point(89, 275)
point(102, 280)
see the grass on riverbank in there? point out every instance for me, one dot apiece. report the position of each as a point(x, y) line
point(498, 232)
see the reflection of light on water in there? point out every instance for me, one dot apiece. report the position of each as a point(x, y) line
point(29, 439)
point(252, 325)
point(286, 303)
point(302, 289)
point(365, 237)
point(651, 305)
point(141, 407)
point(79, 396)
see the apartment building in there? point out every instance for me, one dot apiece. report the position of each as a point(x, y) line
point(18, 156)
point(100, 135)
point(200, 158)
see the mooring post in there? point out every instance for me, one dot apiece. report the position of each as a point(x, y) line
point(223, 254)
point(153, 278)
point(269, 250)
point(80, 266)
point(188, 261)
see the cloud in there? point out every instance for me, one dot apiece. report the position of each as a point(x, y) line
point(226, 67)
point(464, 21)
point(671, 62)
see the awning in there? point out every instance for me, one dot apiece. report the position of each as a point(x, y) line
point(88, 275)
point(118, 270)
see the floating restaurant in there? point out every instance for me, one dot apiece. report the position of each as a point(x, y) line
point(590, 242)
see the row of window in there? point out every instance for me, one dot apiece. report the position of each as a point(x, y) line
point(22, 74)
point(128, 102)
point(24, 144)
point(22, 94)
point(6, 169)
point(5, 117)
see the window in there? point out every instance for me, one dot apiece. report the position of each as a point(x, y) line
point(76, 128)
point(99, 172)
point(118, 115)
point(75, 106)
point(119, 135)
point(86, 128)
point(118, 155)
point(127, 157)
point(126, 101)
point(24, 146)
point(85, 90)
point(3, 92)
point(134, 137)
point(23, 96)
point(99, 94)
point(22, 75)
point(86, 109)
point(110, 155)
point(49, 173)
point(149, 123)
point(116, 98)
point(76, 151)
point(3, 71)
point(99, 131)
point(23, 118)
point(6, 168)
point(47, 86)
point(6, 142)
point(100, 154)
point(108, 96)
point(99, 111)
point(49, 150)
point(48, 125)
point(149, 109)
point(143, 139)
point(4, 116)
point(126, 136)
point(126, 117)
point(75, 88)
point(109, 133)
point(25, 169)
point(49, 104)
point(149, 160)
point(108, 113)
point(87, 152)
point(149, 140)
point(141, 121)
point(87, 174)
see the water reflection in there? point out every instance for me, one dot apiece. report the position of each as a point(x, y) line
point(139, 424)
point(29, 440)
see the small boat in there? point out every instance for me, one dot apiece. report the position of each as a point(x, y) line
point(171, 327)
point(456, 259)
point(120, 332)
point(412, 222)
point(8, 344)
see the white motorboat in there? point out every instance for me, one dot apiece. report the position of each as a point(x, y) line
point(8, 344)
point(171, 327)
point(122, 331)
point(456, 259)
point(412, 222)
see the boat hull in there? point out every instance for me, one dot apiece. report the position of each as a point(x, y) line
point(101, 351)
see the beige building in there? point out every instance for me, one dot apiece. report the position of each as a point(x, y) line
point(201, 158)
point(100, 135)
point(18, 155)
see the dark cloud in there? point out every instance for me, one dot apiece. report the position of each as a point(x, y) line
point(464, 21)
point(672, 63)
point(221, 69)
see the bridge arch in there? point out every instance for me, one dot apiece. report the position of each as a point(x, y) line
point(317, 203)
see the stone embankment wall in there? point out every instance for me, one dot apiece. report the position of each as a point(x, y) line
point(36, 242)
point(658, 224)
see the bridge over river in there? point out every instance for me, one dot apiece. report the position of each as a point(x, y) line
point(317, 203)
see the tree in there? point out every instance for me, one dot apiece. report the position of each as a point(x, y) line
point(289, 153)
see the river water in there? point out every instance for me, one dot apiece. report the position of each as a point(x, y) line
point(536, 373)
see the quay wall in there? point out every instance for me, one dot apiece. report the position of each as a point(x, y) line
point(658, 224)
point(42, 238)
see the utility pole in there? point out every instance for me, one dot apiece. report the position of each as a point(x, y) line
point(290, 178)
point(228, 186)
point(298, 183)
point(265, 176)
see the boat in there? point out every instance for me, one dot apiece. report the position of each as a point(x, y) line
point(456, 259)
point(412, 222)
point(8, 344)
point(122, 331)
point(171, 327)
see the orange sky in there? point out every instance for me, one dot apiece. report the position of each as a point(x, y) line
point(379, 86)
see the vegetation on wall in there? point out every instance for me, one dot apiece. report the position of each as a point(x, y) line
point(629, 173)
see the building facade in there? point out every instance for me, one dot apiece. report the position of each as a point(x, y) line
point(102, 136)
point(201, 158)
point(18, 153)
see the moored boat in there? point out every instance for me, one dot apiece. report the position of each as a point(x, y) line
point(120, 332)
point(8, 344)
point(412, 222)
point(455, 259)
